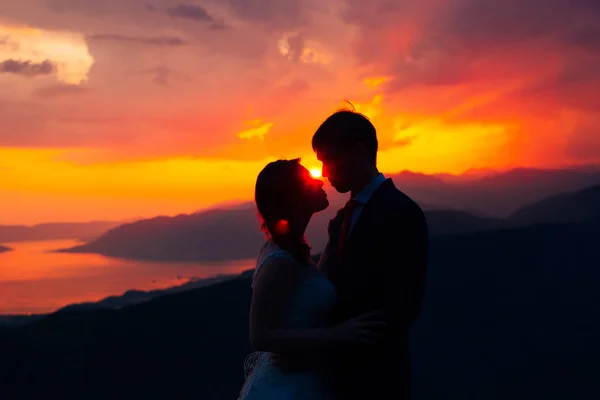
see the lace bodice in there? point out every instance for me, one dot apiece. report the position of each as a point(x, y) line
point(314, 297)
point(310, 306)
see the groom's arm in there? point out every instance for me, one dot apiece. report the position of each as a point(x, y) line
point(403, 267)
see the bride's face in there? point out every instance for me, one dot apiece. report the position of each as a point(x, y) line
point(314, 198)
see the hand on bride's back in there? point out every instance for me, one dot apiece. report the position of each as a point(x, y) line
point(364, 329)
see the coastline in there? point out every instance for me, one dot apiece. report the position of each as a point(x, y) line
point(128, 298)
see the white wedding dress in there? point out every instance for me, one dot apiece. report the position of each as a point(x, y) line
point(312, 301)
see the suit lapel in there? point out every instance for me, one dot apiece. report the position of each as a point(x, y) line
point(327, 263)
point(366, 216)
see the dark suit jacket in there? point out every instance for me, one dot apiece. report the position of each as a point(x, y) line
point(383, 268)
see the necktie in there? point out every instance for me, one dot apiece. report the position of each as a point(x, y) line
point(348, 212)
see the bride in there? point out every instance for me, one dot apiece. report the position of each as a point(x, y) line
point(291, 299)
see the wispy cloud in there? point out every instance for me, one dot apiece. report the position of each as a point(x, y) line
point(60, 89)
point(27, 68)
point(257, 129)
point(156, 41)
point(476, 80)
point(164, 75)
point(189, 11)
point(192, 12)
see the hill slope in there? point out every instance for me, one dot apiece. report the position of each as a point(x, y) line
point(495, 195)
point(55, 231)
point(229, 234)
point(220, 234)
point(512, 306)
point(568, 207)
point(455, 222)
point(232, 233)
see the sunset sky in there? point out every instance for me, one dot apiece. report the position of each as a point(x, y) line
point(117, 109)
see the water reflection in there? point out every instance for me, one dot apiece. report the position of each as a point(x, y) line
point(35, 280)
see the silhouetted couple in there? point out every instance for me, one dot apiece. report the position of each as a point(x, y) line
point(337, 330)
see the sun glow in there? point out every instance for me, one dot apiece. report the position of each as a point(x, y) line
point(315, 172)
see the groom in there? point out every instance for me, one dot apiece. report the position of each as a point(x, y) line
point(376, 258)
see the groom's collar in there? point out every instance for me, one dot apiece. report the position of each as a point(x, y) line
point(367, 192)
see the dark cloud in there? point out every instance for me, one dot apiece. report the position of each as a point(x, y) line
point(276, 13)
point(574, 86)
point(189, 11)
point(27, 68)
point(585, 38)
point(452, 33)
point(534, 64)
point(192, 12)
point(165, 76)
point(156, 41)
point(435, 62)
point(489, 24)
point(486, 23)
point(60, 89)
point(280, 13)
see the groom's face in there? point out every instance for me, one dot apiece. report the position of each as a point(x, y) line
point(338, 168)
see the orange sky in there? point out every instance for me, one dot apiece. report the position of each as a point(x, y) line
point(123, 109)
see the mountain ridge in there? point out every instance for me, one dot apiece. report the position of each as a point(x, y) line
point(227, 234)
point(566, 207)
point(55, 231)
point(511, 305)
point(231, 235)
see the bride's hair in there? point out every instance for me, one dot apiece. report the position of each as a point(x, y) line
point(278, 195)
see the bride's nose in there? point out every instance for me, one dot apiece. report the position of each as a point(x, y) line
point(318, 183)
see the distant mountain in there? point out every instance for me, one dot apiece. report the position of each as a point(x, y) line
point(55, 231)
point(4, 249)
point(230, 234)
point(219, 234)
point(455, 222)
point(511, 306)
point(482, 192)
point(469, 175)
point(233, 233)
point(495, 195)
point(568, 207)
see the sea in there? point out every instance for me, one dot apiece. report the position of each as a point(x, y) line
point(36, 280)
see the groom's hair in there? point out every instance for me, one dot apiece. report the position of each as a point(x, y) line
point(345, 128)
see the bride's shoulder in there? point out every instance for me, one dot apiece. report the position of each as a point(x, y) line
point(273, 261)
point(271, 250)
